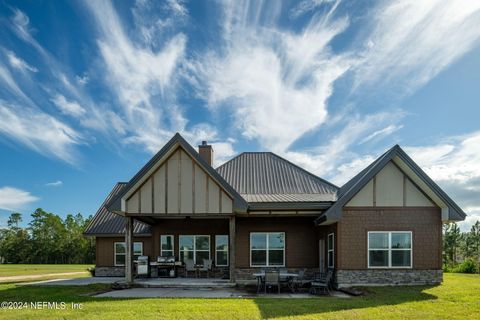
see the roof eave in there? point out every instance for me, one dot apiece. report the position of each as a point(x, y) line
point(289, 205)
point(113, 235)
point(455, 213)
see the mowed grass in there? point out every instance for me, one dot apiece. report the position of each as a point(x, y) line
point(457, 298)
point(8, 270)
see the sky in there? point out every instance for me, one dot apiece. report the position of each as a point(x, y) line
point(90, 90)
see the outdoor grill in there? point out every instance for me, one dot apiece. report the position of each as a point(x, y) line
point(143, 266)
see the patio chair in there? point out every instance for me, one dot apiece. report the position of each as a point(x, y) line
point(321, 283)
point(299, 281)
point(282, 272)
point(261, 281)
point(207, 266)
point(189, 266)
point(272, 279)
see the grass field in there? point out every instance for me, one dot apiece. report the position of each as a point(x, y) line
point(457, 298)
point(8, 270)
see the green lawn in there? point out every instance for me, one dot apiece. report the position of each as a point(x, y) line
point(457, 298)
point(7, 270)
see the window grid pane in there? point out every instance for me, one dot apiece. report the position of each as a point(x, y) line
point(138, 248)
point(195, 247)
point(221, 250)
point(221, 258)
point(401, 240)
point(378, 240)
point(166, 242)
point(267, 248)
point(397, 252)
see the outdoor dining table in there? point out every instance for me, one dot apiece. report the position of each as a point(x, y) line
point(285, 275)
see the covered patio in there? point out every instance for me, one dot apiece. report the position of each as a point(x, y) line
point(183, 249)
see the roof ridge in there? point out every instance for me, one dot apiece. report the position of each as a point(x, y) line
point(307, 172)
point(283, 159)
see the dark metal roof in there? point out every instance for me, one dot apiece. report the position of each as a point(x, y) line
point(353, 186)
point(239, 204)
point(267, 177)
point(107, 223)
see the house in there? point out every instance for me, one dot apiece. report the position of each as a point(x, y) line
point(259, 211)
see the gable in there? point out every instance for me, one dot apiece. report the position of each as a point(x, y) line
point(390, 187)
point(179, 185)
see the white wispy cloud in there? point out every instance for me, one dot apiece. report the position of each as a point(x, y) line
point(19, 63)
point(15, 199)
point(39, 131)
point(21, 24)
point(57, 183)
point(66, 107)
point(309, 5)
point(9, 83)
point(145, 76)
point(142, 79)
point(453, 164)
point(379, 134)
point(82, 80)
point(335, 159)
point(276, 83)
point(409, 42)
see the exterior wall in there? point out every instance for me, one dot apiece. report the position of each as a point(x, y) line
point(323, 233)
point(104, 250)
point(426, 226)
point(301, 242)
point(390, 188)
point(301, 239)
point(179, 186)
point(188, 226)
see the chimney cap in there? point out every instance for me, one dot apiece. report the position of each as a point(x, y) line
point(204, 143)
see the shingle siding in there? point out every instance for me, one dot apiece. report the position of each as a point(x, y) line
point(424, 222)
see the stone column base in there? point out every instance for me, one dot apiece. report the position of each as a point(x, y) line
point(109, 271)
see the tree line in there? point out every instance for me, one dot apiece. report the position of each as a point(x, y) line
point(461, 250)
point(47, 239)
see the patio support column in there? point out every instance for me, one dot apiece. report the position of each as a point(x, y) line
point(232, 248)
point(129, 249)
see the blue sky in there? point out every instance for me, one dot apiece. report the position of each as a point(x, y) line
point(89, 90)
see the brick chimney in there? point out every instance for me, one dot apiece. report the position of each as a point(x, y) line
point(206, 152)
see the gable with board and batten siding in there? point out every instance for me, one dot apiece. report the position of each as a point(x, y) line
point(179, 185)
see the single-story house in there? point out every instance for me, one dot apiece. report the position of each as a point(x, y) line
point(260, 211)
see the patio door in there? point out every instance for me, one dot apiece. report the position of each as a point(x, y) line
point(321, 255)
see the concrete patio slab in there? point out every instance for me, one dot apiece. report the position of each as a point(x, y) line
point(76, 282)
point(171, 293)
point(199, 293)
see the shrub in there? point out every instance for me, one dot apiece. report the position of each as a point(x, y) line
point(92, 271)
point(467, 266)
point(447, 268)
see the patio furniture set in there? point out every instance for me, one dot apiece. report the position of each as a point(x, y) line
point(295, 282)
point(168, 267)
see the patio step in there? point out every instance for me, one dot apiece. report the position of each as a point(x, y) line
point(183, 283)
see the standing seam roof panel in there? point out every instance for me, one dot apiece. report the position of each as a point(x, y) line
point(267, 173)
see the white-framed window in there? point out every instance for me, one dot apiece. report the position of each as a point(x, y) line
point(166, 246)
point(389, 249)
point(221, 250)
point(195, 247)
point(331, 250)
point(267, 249)
point(119, 251)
